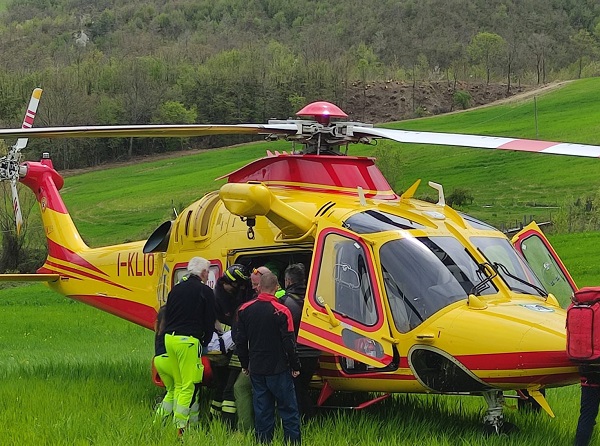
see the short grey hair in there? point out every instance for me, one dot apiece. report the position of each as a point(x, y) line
point(197, 265)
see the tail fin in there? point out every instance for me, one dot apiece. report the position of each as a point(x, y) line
point(45, 182)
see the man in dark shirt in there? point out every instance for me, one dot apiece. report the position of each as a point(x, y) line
point(189, 323)
point(231, 290)
point(267, 351)
point(293, 299)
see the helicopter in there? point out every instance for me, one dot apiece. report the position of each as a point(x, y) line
point(403, 295)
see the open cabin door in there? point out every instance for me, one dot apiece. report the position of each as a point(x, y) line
point(343, 310)
point(540, 255)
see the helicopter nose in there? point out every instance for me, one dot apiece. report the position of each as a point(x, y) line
point(515, 344)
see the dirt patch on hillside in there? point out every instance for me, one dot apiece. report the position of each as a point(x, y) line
point(395, 100)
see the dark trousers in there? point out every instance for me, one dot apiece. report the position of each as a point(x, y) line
point(590, 401)
point(229, 405)
point(302, 383)
point(266, 390)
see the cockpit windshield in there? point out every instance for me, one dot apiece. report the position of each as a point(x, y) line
point(510, 265)
point(425, 274)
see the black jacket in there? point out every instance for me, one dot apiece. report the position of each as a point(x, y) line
point(293, 299)
point(191, 310)
point(226, 303)
point(265, 337)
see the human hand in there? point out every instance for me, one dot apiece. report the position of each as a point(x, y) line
point(245, 372)
point(295, 373)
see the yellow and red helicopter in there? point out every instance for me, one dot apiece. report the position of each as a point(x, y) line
point(404, 296)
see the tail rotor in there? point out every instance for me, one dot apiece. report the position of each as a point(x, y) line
point(10, 164)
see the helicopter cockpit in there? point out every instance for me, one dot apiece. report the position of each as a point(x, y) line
point(422, 275)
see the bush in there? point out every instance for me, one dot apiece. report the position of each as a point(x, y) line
point(462, 99)
point(459, 197)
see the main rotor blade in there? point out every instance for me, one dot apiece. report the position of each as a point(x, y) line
point(153, 131)
point(481, 142)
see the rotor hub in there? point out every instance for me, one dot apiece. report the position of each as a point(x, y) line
point(322, 111)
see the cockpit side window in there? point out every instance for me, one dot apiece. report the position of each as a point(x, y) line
point(351, 292)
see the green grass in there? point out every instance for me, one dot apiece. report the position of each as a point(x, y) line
point(74, 375)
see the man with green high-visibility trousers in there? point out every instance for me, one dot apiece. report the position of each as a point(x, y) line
point(189, 323)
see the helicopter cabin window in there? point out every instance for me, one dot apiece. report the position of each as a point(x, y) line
point(477, 224)
point(372, 221)
point(513, 269)
point(422, 275)
point(214, 272)
point(351, 292)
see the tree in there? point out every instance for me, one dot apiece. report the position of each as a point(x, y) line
point(540, 44)
point(488, 49)
point(584, 45)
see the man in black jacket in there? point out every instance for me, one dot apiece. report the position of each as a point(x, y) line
point(231, 290)
point(267, 351)
point(293, 299)
point(189, 324)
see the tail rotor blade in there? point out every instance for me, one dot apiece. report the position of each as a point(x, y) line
point(16, 206)
point(29, 117)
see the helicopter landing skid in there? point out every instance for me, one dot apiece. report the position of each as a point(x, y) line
point(327, 391)
point(493, 421)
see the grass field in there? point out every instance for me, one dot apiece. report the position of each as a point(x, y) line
point(74, 375)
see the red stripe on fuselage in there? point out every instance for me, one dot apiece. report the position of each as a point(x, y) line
point(319, 189)
point(85, 274)
point(337, 339)
point(132, 311)
point(515, 360)
point(60, 252)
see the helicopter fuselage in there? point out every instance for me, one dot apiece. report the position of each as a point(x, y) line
point(403, 295)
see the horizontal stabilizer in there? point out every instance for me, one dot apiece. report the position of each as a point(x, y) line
point(29, 277)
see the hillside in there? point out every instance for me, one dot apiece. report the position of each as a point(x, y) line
point(378, 102)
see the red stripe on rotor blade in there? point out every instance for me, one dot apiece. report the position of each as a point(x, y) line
point(527, 145)
point(28, 121)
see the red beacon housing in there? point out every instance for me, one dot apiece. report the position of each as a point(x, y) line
point(322, 111)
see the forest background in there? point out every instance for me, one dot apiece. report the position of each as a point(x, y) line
point(244, 61)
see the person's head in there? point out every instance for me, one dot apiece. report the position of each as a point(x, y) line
point(198, 266)
point(257, 273)
point(294, 275)
point(268, 283)
point(234, 276)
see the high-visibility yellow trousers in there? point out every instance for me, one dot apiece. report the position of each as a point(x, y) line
point(183, 356)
